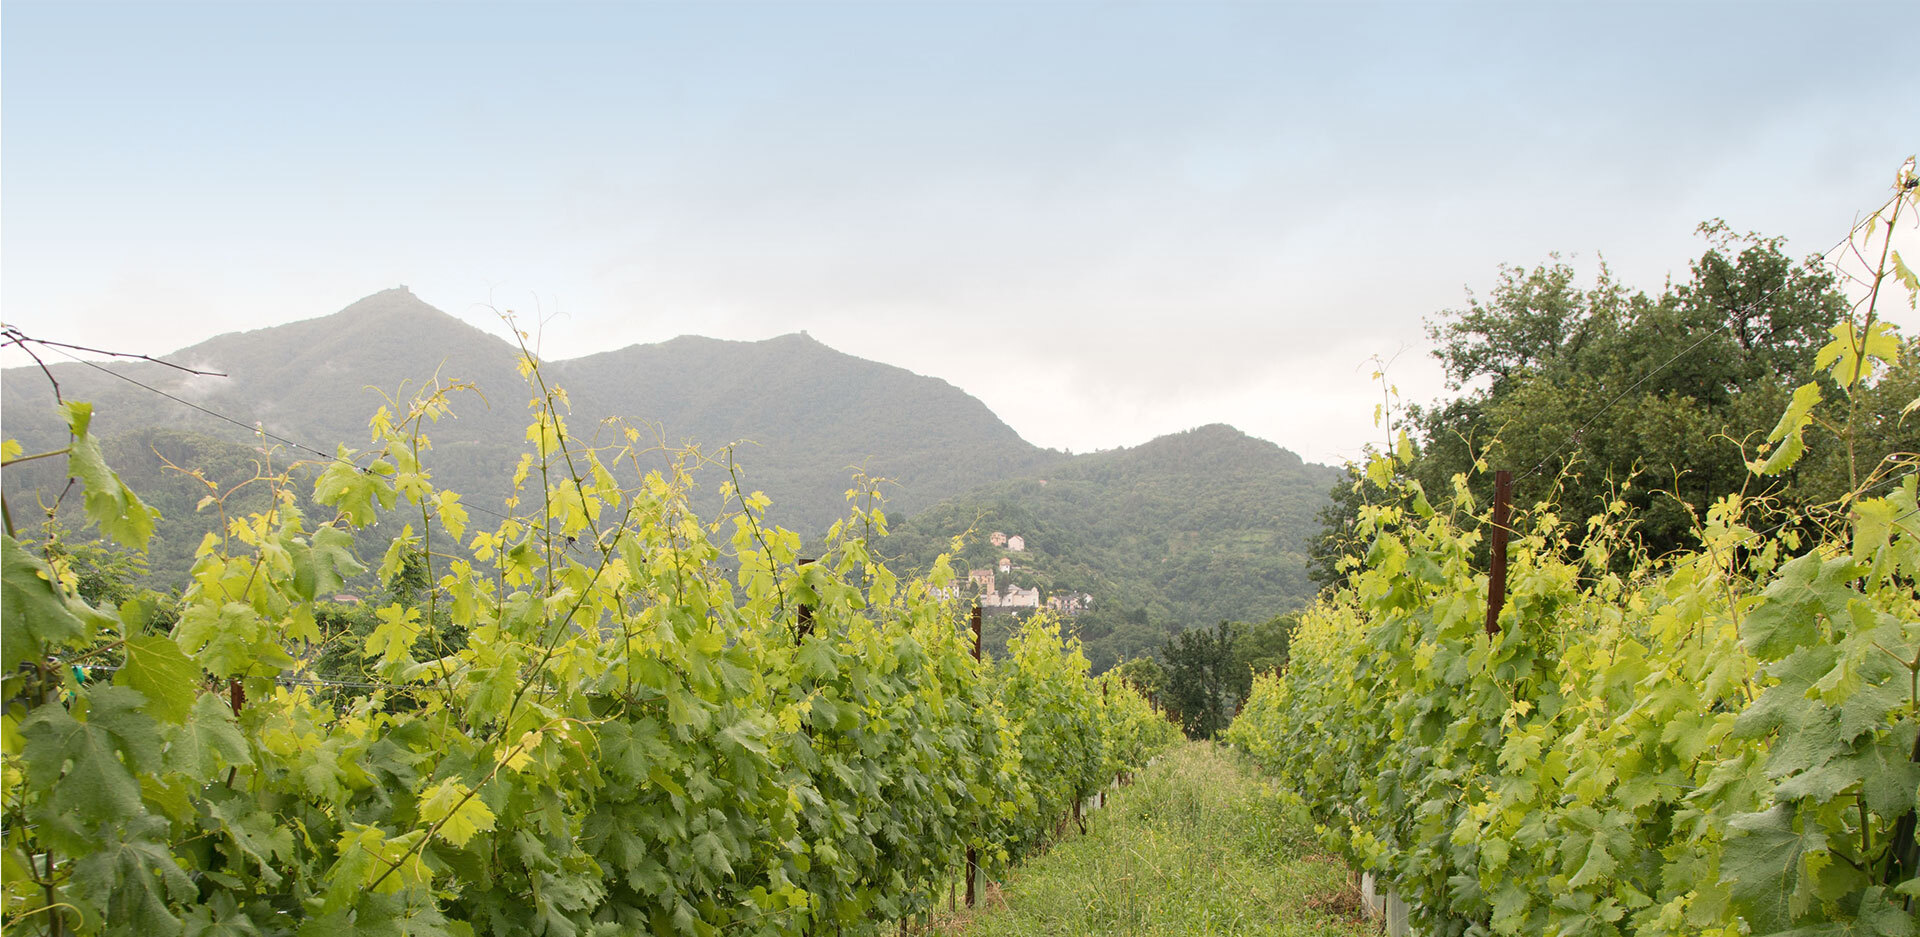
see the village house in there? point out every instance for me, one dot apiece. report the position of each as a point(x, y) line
point(1071, 603)
point(1015, 597)
point(1006, 565)
point(1021, 598)
point(997, 538)
point(982, 578)
point(1017, 543)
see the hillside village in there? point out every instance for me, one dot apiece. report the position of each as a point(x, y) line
point(981, 583)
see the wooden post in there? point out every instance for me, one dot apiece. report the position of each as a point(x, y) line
point(237, 698)
point(973, 858)
point(1497, 574)
point(976, 632)
point(803, 625)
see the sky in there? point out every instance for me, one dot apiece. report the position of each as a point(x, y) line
point(1108, 221)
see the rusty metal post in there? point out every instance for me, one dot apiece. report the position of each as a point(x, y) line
point(1497, 574)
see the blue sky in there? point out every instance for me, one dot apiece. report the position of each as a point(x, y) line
point(1107, 220)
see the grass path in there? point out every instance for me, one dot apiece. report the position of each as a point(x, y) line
point(1195, 846)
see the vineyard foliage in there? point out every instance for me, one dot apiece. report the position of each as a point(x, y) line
point(1724, 740)
point(595, 714)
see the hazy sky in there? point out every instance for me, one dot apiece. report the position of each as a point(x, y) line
point(1106, 220)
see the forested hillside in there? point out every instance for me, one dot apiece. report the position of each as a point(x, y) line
point(1184, 531)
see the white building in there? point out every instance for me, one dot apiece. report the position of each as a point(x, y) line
point(1017, 597)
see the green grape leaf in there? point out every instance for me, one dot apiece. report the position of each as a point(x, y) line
point(134, 880)
point(453, 515)
point(83, 763)
point(392, 639)
point(156, 667)
point(1807, 589)
point(1869, 708)
point(108, 501)
point(1889, 777)
point(1878, 916)
point(225, 639)
point(463, 815)
point(712, 854)
point(33, 615)
point(1597, 865)
point(1510, 906)
point(326, 564)
point(1908, 279)
point(1765, 863)
point(210, 741)
point(816, 659)
point(1786, 434)
point(255, 835)
point(1881, 916)
point(1822, 783)
point(1850, 355)
point(354, 493)
point(745, 735)
point(219, 918)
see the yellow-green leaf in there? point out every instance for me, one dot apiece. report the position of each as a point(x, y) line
point(1786, 435)
point(459, 814)
point(393, 638)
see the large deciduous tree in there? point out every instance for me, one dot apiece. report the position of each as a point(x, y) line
point(1597, 393)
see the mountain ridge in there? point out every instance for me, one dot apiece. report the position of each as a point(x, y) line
point(815, 412)
point(1170, 532)
point(1184, 530)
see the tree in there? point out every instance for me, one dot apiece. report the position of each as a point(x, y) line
point(1201, 679)
point(1146, 675)
point(1261, 647)
point(1595, 394)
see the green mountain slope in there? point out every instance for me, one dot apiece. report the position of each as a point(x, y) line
point(1184, 530)
point(807, 416)
point(1187, 530)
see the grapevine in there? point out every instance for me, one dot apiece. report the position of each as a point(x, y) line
point(584, 725)
point(1719, 742)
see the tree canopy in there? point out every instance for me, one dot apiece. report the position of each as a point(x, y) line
point(1597, 395)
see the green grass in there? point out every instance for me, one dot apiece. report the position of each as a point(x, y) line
point(1196, 845)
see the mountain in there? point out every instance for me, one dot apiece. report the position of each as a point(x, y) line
point(806, 416)
point(1186, 530)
